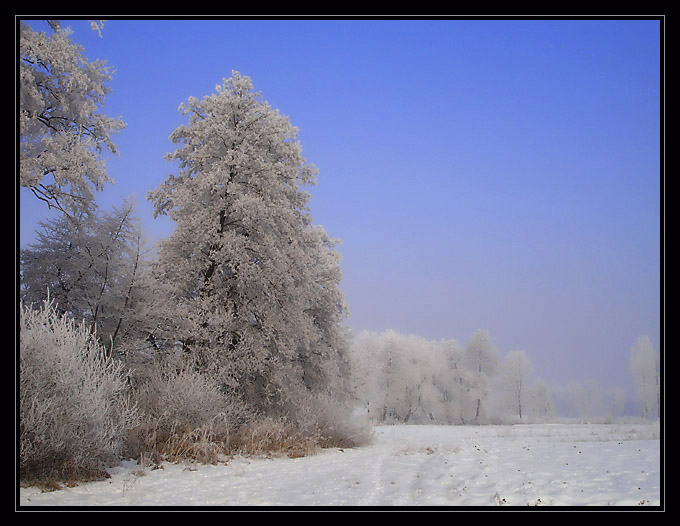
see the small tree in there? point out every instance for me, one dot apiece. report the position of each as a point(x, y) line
point(62, 132)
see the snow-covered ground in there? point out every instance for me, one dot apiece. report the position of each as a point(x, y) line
point(520, 465)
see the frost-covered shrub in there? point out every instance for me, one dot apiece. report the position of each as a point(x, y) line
point(183, 397)
point(75, 412)
point(184, 412)
point(341, 425)
point(187, 413)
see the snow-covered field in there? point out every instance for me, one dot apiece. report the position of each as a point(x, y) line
point(520, 465)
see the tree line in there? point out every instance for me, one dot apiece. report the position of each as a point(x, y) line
point(401, 378)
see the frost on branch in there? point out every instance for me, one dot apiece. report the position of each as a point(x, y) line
point(75, 410)
point(95, 268)
point(63, 132)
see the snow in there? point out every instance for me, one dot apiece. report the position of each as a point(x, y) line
point(513, 465)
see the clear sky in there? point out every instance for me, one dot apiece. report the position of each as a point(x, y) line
point(494, 174)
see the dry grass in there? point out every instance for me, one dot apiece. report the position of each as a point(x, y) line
point(273, 438)
point(214, 442)
point(211, 443)
point(153, 444)
point(54, 478)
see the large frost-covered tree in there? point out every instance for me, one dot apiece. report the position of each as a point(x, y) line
point(63, 133)
point(252, 284)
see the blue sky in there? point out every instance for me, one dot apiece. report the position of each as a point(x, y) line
point(495, 174)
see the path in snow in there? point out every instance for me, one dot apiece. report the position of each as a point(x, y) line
point(563, 465)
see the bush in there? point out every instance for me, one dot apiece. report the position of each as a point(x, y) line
point(332, 423)
point(74, 411)
point(185, 414)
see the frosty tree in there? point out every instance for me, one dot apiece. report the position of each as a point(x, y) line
point(456, 388)
point(93, 267)
point(514, 379)
point(481, 357)
point(63, 134)
point(252, 284)
point(644, 365)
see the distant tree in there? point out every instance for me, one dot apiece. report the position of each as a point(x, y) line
point(615, 398)
point(365, 357)
point(540, 405)
point(453, 381)
point(515, 372)
point(430, 392)
point(409, 379)
point(252, 286)
point(421, 361)
point(63, 134)
point(391, 360)
point(581, 399)
point(644, 366)
point(399, 377)
point(481, 358)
